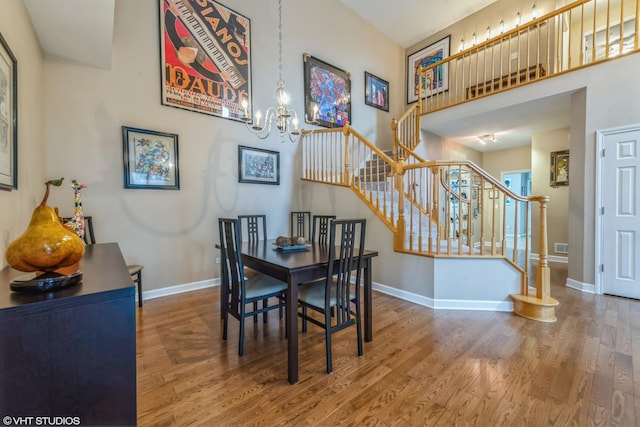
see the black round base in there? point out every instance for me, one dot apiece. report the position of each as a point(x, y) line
point(44, 282)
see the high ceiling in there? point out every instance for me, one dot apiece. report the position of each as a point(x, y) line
point(86, 36)
point(409, 21)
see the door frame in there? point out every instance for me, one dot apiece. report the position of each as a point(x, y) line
point(599, 240)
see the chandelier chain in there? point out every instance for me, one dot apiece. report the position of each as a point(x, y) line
point(280, 38)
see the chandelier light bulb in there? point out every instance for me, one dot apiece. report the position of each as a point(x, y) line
point(488, 32)
point(462, 44)
point(473, 39)
point(534, 13)
point(518, 19)
point(501, 26)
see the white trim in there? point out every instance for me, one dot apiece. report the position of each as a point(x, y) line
point(178, 289)
point(445, 303)
point(385, 289)
point(584, 287)
point(599, 241)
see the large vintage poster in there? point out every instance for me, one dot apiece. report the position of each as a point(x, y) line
point(205, 50)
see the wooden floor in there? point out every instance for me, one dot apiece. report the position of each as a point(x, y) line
point(424, 367)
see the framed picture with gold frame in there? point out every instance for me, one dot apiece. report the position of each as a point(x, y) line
point(559, 169)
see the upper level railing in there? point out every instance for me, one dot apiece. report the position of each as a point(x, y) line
point(580, 34)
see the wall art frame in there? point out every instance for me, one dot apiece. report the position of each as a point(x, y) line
point(421, 59)
point(328, 88)
point(205, 52)
point(376, 91)
point(559, 164)
point(150, 159)
point(258, 166)
point(8, 118)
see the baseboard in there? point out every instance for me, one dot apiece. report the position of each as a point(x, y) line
point(385, 289)
point(178, 289)
point(444, 304)
point(584, 287)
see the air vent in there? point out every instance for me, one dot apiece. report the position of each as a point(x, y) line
point(561, 248)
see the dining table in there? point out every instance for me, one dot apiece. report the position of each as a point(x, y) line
point(295, 267)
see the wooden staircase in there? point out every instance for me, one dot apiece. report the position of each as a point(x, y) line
point(429, 216)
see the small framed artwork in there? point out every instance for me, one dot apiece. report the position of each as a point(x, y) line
point(376, 92)
point(327, 93)
point(8, 118)
point(150, 159)
point(559, 168)
point(437, 79)
point(258, 166)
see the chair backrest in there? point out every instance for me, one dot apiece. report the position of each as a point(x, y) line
point(231, 260)
point(301, 224)
point(346, 244)
point(252, 227)
point(89, 236)
point(321, 228)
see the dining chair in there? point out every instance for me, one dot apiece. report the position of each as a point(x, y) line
point(252, 227)
point(300, 224)
point(241, 290)
point(321, 228)
point(135, 270)
point(337, 291)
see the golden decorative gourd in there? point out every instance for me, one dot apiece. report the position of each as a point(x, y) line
point(46, 245)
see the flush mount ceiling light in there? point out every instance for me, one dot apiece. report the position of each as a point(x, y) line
point(484, 139)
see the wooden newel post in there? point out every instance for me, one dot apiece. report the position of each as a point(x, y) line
point(394, 131)
point(346, 175)
point(399, 236)
point(543, 280)
point(540, 307)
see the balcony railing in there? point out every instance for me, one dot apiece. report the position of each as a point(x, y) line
point(581, 34)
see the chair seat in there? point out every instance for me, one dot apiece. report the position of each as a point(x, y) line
point(261, 285)
point(312, 293)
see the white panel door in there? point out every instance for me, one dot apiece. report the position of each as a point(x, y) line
point(621, 217)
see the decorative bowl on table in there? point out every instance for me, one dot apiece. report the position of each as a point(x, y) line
point(291, 244)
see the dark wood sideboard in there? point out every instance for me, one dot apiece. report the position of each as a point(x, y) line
point(71, 352)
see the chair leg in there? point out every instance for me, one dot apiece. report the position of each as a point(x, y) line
point(241, 342)
point(265, 303)
point(255, 308)
point(225, 324)
point(139, 281)
point(359, 328)
point(304, 321)
point(328, 338)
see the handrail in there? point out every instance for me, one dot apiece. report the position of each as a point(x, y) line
point(543, 47)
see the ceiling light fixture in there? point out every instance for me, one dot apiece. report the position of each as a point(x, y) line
point(484, 139)
point(286, 119)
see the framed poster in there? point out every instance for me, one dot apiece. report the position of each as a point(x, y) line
point(150, 159)
point(258, 166)
point(8, 118)
point(559, 168)
point(437, 79)
point(328, 89)
point(376, 92)
point(206, 58)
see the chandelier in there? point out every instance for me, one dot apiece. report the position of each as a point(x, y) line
point(284, 118)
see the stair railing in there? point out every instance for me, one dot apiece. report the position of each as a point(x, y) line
point(435, 208)
point(558, 42)
point(342, 156)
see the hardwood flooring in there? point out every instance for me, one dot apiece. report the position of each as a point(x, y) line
point(424, 367)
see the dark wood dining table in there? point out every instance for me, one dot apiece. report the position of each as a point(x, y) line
point(293, 268)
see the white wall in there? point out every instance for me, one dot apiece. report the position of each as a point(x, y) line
point(173, 232)
point(16, 206)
